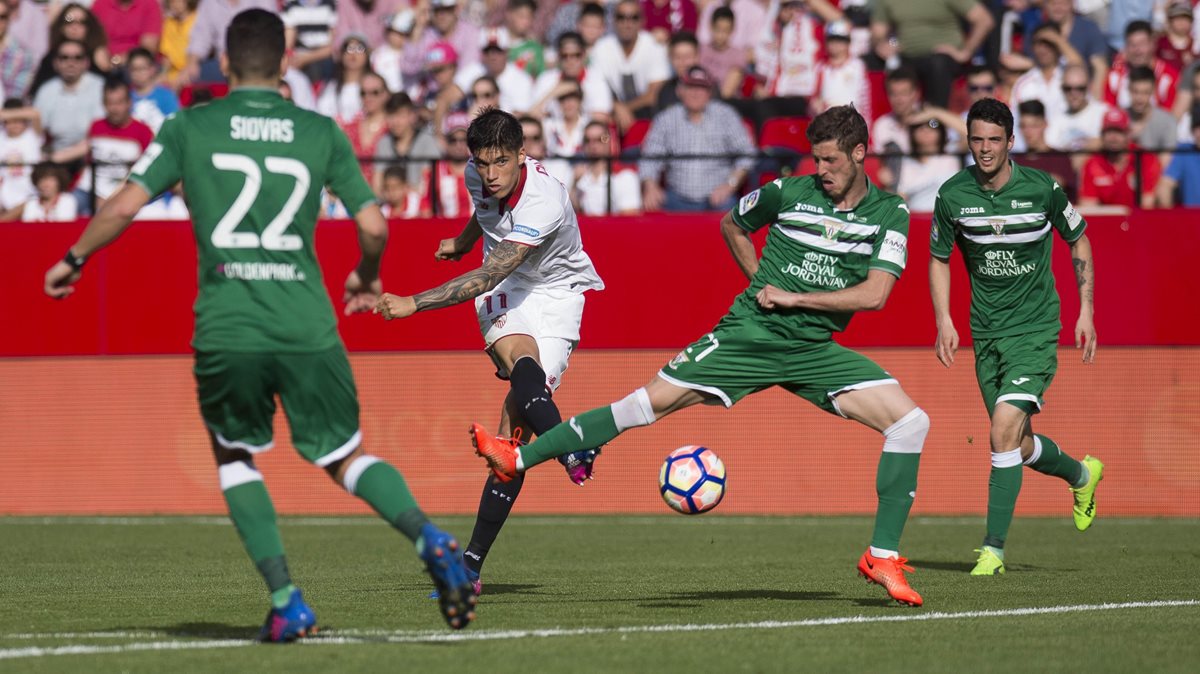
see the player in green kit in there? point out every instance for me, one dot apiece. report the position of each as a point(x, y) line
point(836, 245)
point(253, 166)
point(1003, 217)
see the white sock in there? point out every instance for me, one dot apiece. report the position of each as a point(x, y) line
point(520, 462)
point(884, 554)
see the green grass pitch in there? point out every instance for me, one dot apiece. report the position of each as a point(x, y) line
point(605, 593)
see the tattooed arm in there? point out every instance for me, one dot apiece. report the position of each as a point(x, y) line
point(1085, 278)
point(504, 260)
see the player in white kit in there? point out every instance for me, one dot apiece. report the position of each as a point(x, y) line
point(528, 296)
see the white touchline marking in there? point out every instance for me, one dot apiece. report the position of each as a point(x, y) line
point(351, 636)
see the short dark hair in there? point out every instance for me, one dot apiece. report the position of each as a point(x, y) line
point(517, 4)
point(397, 102)
point(254, 44)
point(721, 12)
point(47, 169)
point(140, 53)
point(992, 111)
point(13, 103)
point(683, 37)
point(902, 74)
point(933, 124)
point(841, 123)
point(1047, 25)
point(569, 36)
point(974, 70)
point(115, 84)
point(593, 9)
point(1033, 108)
point(396, 171)
point(1141, 74)
point(1138, 26)
point(77, 43)
point(495, 129)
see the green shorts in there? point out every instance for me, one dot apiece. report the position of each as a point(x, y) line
point(1016, 370)
point(740, 357)
point(237, 400)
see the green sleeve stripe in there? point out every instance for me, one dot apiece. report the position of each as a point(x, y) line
point(737, 220)
point(137, 180)
point(364, 204)
point(892, 269)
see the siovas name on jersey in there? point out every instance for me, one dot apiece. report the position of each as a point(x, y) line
point(268, 129)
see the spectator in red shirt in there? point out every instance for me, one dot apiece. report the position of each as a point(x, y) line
point(1175, 44)
point(1108, 177)
point(667, 17)
point(1140, 51)
point(129, 24)
point(115, 143)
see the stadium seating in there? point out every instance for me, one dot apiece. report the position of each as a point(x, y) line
point(631, 142)
point(786, 134)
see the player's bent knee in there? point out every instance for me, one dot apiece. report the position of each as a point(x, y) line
point(907, 435)
point(633, 410)
point(355, 469)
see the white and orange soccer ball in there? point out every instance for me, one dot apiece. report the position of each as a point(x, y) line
point(692, 480)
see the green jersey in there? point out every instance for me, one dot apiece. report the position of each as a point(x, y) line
point(813, 247)
point(1005, 239)
point(252, 167)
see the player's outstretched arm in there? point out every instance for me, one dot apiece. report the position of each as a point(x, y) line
point(502, 261)
point(1085, 278)
point(109, 222)
point(454, 249)
point(870, 295)
point(363, 286)
point(740, 245)
point(939, 291)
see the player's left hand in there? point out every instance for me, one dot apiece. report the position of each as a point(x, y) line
point(359, 296)
point(771, 297)
point(394, 306)
point(59, 280)
point(1085, 338)
point(579, 465)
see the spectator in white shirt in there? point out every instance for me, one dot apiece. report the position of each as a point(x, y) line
point(572, 59)
point(632, 63)
point(922, 173)
point(20, 149)
point(1077, 127)
point(841, 78)
point(516, 85)
point(342, 96)
point(51, 203)
point(600, 190)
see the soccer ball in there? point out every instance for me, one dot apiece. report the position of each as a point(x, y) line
point(692, 480)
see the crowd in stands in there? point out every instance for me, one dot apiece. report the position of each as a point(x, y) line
point(634, 105)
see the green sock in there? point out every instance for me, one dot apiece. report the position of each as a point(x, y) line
point(1054, 461)
point(384, 488)
point(253, 515)
point(896, 485)
point(1003, 488)
point(585, 431)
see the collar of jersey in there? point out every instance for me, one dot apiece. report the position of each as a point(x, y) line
point(871, 195)
point(256, 90)
point(1011, 179)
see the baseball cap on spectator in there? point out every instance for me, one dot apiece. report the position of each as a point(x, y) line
point(1179, 8)
point(402, 21)
point(445, 4)
point(697, 76)
point(1115, 119)
point(494, 39)
point(455, 121)
point(440, 54)
point(837, 30)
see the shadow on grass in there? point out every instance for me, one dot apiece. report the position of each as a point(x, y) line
point(205, 630)
point(781, 595)
point(966, 566)
point(510, 588)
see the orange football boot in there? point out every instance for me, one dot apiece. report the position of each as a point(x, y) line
point(889, 572)
point(501, 453)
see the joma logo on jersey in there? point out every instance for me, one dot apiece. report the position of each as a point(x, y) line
point(971, 210)
point(810, 208)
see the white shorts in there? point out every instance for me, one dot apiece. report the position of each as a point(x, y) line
point(552, 321)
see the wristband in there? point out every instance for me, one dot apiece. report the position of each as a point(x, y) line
point(74, 261)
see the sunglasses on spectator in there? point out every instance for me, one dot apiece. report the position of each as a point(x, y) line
point(485, 94)
point(629, 17)
point(457, 140)
point(354, 48)
point(533, 139)
point(71, 57)
point(373, 92)
point(1068, 88)
point(595, 139)
point(981, 87)
point(4, 16)
point(570, 54)
point(74, 18)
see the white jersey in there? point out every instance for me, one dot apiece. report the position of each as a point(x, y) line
point(537, 214)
